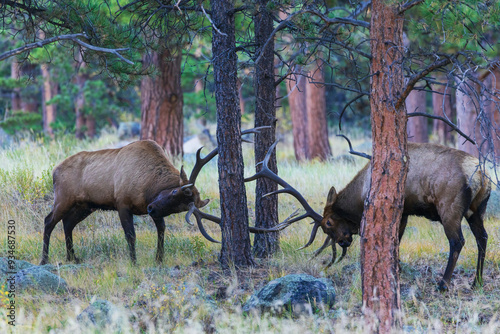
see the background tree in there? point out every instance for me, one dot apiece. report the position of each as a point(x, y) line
point(162, 101)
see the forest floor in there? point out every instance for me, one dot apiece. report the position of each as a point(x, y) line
point(26, 198)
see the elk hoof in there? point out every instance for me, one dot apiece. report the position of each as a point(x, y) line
point(477, 284)
point(442, 287)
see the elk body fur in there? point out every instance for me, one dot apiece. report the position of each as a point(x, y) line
point(136, 179)
point(443, 184)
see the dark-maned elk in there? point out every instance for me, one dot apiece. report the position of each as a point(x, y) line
point(136, 179)
point(443, 184)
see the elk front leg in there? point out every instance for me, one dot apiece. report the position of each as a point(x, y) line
point(160, 227)
point(127, 220)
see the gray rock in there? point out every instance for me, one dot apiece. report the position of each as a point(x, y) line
point(37, 278)
point(7, 267)
point(493, 208)
point(100, 313)
point(297, 293)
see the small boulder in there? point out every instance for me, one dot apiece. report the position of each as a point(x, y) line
point(297, 293)
point(100, 314)
point(37, 278)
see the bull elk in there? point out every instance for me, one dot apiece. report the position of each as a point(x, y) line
point(136, 179)
point(443, 184)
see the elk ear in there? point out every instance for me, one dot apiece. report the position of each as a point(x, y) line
point(184, 180)
point(332, 196)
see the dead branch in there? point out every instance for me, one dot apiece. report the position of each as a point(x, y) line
point(364, 155)
point(413, 114)
point(72, 37)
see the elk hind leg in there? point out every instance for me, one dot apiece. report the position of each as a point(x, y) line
point(477, 227)
point(456, 240)
point(70, 220)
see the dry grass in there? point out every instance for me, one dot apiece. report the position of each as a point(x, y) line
point(26, 197)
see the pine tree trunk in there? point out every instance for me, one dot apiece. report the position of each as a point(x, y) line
point(298, 112)
point(417, 126)
point(384, 204)
point(266, 208)
point(48, 92)
point(441, 105)
point(162, 102)
point(494, 110)
point(467, 117)
point(317, 124)
point(236, 248)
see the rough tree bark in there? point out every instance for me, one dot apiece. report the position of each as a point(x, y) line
point(162, 102)
point(417, 126)
point(236, 248)
point(48, 92)
point(384, 204)
point(467, 117)
point(493, 82)
point(297, 101)
point(441, 105)
point(317, 125)
point(266, 208)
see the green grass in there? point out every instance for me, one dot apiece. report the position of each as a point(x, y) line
point(26, 197)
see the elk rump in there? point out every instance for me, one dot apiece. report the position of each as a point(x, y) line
point(136, 179)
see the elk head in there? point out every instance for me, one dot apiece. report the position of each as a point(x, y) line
point(319, 221)
point(339, 229)
point(177, 200)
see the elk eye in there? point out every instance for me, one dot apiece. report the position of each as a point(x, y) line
point(174, 192)
point(328, 223)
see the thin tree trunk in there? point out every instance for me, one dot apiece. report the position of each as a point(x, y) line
point(384, 204)
point(80, 80)
point(162, 102)
point(317, 124)
point(236, 248)
point(417, 126)
point(266, 208)
point(15, 73)
point(467, 117)
point(49, 91)
point(298, 112)
point(441, 105)
point(494, 110)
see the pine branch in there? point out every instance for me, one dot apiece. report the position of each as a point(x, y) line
point(453, 126)
point(72, 37)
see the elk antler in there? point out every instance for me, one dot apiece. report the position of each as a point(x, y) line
point(328, 242)
point(200, 162)
point(266, 172)
point(199, 215)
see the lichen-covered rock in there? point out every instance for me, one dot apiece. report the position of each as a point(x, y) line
point(493, 208)
point(100, 314)
point(37, 278)
point(297, 293)
point(7, 267)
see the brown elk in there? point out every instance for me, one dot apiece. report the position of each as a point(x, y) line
point(136, 179)
point(443, 184)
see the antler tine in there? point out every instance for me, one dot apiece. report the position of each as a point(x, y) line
point(200, 162)
point(199, 215)
point(287, 188)
point(281, 226)
point(318, 251)
point(334, 256)
point(312, 237)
